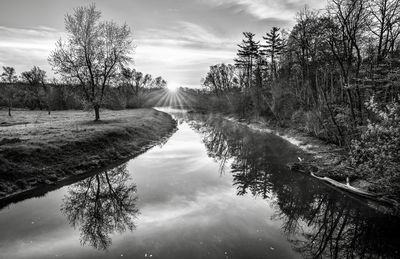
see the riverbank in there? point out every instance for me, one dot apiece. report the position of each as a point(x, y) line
point(329, 162)
point(38, 150)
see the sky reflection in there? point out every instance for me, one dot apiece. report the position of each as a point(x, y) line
point(186, 209)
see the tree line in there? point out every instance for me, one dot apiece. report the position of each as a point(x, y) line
point(93, 65)
point(37, 92)
point(335, 74)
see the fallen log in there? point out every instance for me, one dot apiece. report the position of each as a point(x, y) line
point(310, 169)
point(347, 187)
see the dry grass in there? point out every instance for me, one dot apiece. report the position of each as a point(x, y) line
point(37, 148)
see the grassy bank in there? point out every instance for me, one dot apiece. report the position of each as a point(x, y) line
point(37, 149)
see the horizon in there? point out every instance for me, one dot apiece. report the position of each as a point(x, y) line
point(175, 39)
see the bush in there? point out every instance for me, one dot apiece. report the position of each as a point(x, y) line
point(298, 118)
point(375, 156)
point(312, 122)
point(284, 105)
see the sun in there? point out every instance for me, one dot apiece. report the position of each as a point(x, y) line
point(172, 88)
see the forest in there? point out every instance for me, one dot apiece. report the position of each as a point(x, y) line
point(334, 75)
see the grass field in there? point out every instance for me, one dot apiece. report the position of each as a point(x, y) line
point(38, 149)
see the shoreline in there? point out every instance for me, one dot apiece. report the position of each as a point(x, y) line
point(103, 145)
point(327, 163)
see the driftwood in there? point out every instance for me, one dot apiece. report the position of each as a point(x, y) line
point(346, 187)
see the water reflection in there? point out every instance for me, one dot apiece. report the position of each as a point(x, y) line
point(319, 221)
point(334, 227)
point(102, 205)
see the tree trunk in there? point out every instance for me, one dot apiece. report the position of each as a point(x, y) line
point(97, 112)
point(331, 113)
point(359, 104)
point(48, 105)
point(351, 106)
point(9, 107)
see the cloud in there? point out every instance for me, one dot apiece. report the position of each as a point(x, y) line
point(24, 48)
point(28, 37)
point(185, 34)
point(181, 53)
point(178, 65)
point(267, 9)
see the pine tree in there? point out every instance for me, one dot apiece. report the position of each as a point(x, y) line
point(248, 53)
point(273, 48)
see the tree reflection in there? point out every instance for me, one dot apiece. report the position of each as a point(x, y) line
point(101, 205)
point(318, 221)
point(333, 226)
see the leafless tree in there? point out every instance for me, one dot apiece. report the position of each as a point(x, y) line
point(221, 77)
point(36, 78)
point(93, 54)
point(351, 17)
point(9, 76)
point(385, 25)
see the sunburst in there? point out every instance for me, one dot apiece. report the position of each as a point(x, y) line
point(171, 97)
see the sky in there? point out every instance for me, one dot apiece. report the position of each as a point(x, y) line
point(175, 39)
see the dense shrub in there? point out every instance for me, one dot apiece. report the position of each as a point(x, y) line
point(376, 154)
point(298, 118)
point(284, 105)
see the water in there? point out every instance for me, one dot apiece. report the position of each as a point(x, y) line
point(213, 190)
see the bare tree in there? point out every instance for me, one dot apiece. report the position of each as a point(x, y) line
point(132, 78)
point(9, 76)
point(159, 82)
point(36, 78)
point(301, 45)
point(93, 54)
point(385, 25)
point(220, 78)
point(351, 17)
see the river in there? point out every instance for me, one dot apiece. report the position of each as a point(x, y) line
point(212, 190)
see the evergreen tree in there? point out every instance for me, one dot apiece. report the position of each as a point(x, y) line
point(248, 53)
point(273, 48)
